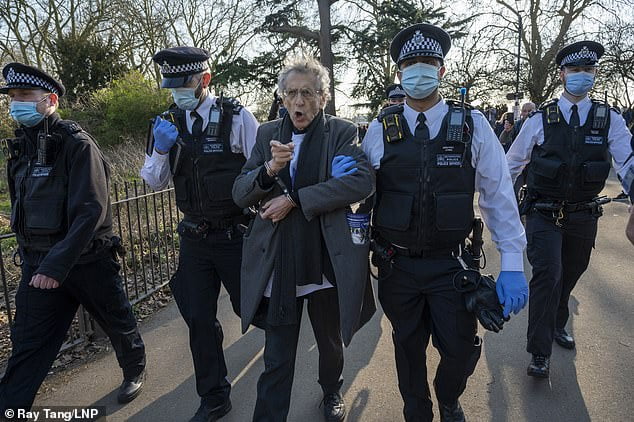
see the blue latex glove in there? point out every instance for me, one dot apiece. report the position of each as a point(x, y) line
point(512, 291)
point(165, 134)
point(341, 166)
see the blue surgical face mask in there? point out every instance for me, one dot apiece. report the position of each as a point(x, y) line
point(579, 83)
point(419, 80)
point(185, 98)
point(25, 112)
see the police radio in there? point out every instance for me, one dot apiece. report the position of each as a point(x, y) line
point(600, 118)
point(45, 148)
point(455, 128)
point(215, 116)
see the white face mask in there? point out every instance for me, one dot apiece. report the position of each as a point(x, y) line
point(419, 80)
point(25, 112)
point(185, 98)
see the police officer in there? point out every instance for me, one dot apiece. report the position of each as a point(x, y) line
point(201, 143)
point(565, 145)
point(60, 213)
point(429, 165)
point(395, 94)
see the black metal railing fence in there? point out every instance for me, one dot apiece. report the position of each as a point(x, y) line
point(146, 222)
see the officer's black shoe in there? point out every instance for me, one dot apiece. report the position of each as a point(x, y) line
point(451, 412)
point(564, 339)
point(539, 366)
point(334, 407)
point(210, 413)
point(131, 388)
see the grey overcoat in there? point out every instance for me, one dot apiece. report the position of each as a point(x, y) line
point(327, 201)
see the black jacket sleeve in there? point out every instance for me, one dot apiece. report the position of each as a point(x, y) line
point(87, 202)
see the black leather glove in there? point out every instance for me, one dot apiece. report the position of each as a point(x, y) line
point(484, 302)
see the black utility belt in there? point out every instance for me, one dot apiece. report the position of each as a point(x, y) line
point(550, 206)
point(425, 253)
point(205, 225)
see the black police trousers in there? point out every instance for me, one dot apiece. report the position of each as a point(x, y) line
point(419, 299)
point(43, 317)
point(280, 350)
point(559, 256)
point(203, 264)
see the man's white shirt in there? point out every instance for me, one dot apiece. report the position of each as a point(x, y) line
point(492, 180)
point(156, 169)
point(532, 133)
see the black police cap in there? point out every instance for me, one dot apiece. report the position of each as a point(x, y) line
point(420, 39)
point(22, 76)
point(581, 53)
point(394, 91)
point(178, 64)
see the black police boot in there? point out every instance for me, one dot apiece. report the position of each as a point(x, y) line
point(208, 412)
point(334, 407)
point(451, 412)
point(131, 388)
point(564, 339)
point(539, 366)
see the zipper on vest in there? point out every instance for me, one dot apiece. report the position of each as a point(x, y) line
point(22, 214)
point(199, 201)
point(424, 196)
point(573, 162)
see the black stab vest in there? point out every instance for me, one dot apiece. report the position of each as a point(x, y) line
point(39, 214)
point(425, 191)
point(572, 164)
point(206, 171)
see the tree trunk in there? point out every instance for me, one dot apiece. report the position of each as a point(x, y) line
point(325, 48)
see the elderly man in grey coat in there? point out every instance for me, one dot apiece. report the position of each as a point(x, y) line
point(304, 172)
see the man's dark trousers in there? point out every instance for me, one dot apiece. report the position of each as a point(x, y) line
point(418, 297)
point(43, 317)
point(559, 256)
point(204, 264)
point(275, 383)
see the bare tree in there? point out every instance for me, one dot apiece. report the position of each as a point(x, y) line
point(547, 25)
point(616, 74)
point(287, 20)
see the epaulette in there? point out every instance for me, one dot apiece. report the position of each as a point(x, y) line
point(233, 103)
point(174, 110)
point(548, 103)
point(550, 108)
point(614, 109)
point(69, 126)
point(458, 103)
point(394, 109)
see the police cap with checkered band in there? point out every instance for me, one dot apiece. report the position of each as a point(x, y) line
point(394, 91)
point(422, 40)
point(179, 64)
point(22, 76)
point(581, 53)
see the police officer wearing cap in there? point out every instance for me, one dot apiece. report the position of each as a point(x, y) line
point(395, 94)
point(60, 213)
point(565, 147)
point(201, 144)
point(431, 155)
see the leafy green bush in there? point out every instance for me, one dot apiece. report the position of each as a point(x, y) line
point(121, 111)
point(7, 125)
